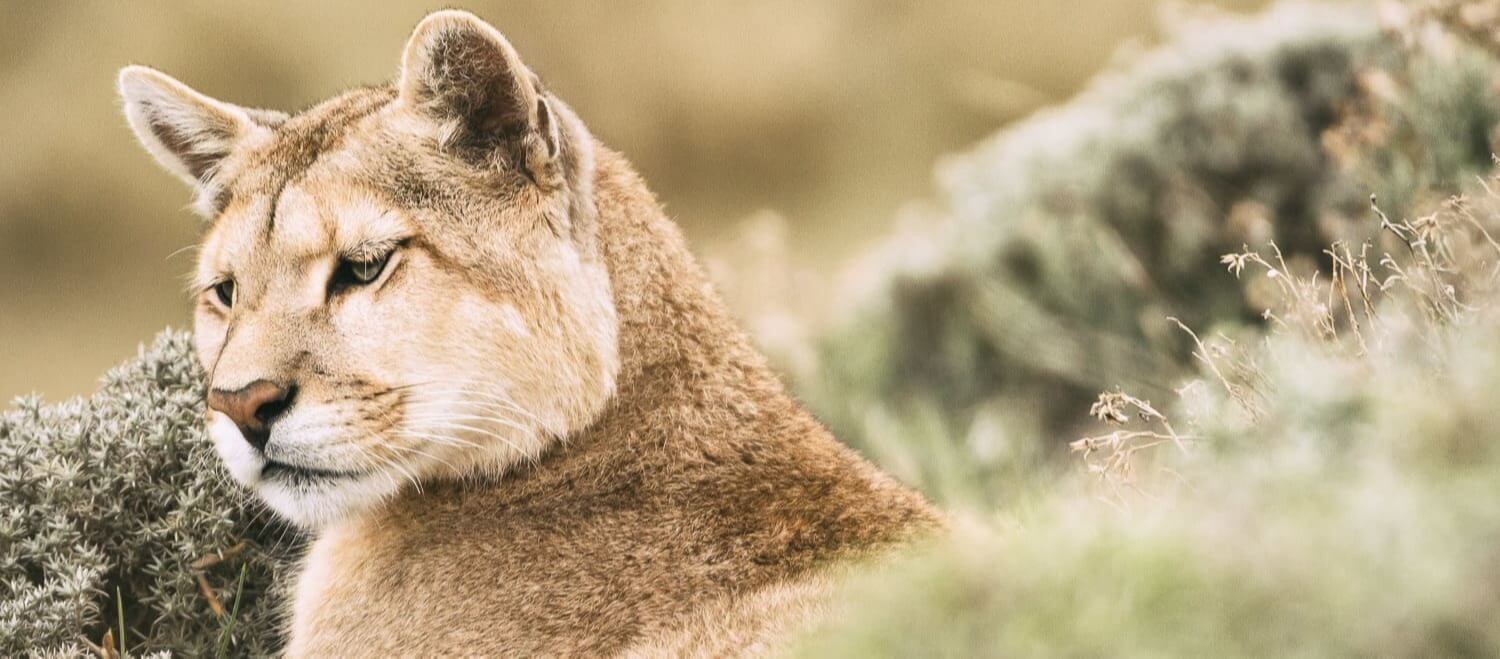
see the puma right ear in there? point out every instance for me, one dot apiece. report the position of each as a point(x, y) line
point(187, 132)
point(460, 72)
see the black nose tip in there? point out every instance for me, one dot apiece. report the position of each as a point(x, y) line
point(257, 436)
point(254, 408)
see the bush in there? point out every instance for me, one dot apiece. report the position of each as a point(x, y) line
point(121, 494)
point(1329, 491)
point(1057, 250)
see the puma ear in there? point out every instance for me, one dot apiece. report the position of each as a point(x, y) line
point(187, 132)
point(462, 73)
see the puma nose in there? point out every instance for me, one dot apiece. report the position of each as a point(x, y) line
point(254, 408)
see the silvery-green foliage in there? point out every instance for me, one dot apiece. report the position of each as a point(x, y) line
point(1354, 515)
point(1056, 252)
point(121, 492)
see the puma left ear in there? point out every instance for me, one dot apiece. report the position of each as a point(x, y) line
point(187, 132)
point(460, 72)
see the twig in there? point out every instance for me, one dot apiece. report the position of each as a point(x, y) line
point(209, 560)
point(208, 594)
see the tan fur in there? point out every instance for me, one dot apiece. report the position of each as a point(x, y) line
point(557, 441)
point(757, 624)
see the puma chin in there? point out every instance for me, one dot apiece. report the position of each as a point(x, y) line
point(386, 294)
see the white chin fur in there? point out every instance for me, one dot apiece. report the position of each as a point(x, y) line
point(314, 505)
point(307, 503)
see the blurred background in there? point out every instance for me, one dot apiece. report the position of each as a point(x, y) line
point(829, 114)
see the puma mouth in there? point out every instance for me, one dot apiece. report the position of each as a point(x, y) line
point(298, 473)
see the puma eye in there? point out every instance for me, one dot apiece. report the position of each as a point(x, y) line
point(224, 291)
point(358, 272)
